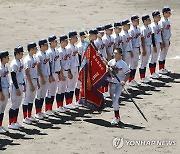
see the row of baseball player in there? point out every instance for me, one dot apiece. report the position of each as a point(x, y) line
point(150, 42)
point(43, 75)
point(52, 73)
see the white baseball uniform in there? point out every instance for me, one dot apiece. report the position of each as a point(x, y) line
point(135, 34)
point(5, 86)
point(156, 30)
point(166, 35)
point(63, 85)
point(5, 90)
point(108, 41)
point(80, 48)
point(121, 69)
point(30, 63)
point(17, 66)
point(54, 56)
point(81, 51)
point(126, 46)
point(72, 51)
point(117, 40)
point(101, 46)
point(146, 33)
point(43, 59)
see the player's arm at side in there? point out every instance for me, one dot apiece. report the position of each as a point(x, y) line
point(40, 73)
point(1, 92)
point(14, 69)
point(107, 52)
point(15, 83)
point(51, 78)
point(61, 75)
point(161, 23)
point(143, 35)
point(126, 71)
point(153, 42)
point(28, 76)
point(70, 75)
point(153, 39)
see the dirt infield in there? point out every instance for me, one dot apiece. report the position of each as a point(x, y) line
point(80, 131)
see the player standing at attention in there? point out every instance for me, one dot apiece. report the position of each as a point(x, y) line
point(17, 87)
point(157, 43)
point(108, 41)
point(43, 73)
point(116, 35)
point(66, 75)
point(55, 68)
point(4, 86)
point(31, 81)
point(136, 43)
point(146, 42)
point(72, 50)
point(166, 35)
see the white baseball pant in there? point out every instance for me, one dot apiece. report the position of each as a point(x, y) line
point(16, 100)
point(30, 95)
point(115, 92)
point(52, 87)
point(163, 53)
point(4, 102)
point(145, 59)
point(127, 57)
point(155, 55)
point(73, 82)
point(134, 61)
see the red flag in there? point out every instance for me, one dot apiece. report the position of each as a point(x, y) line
point(92, 76)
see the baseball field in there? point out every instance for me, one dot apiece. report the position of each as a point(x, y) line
point(80, 130)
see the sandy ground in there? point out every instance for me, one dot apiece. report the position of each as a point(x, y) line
point(80, 131)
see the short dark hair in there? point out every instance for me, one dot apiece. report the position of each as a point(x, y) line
point(18, 50)
point(119, 50)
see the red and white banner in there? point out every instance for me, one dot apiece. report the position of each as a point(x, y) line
point(92, 76)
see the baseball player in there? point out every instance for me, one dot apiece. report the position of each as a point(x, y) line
point(108, 41)
point(17, 87)
point(122, 71)
point(55, 68)
point(146, 42)
point(66, 76)
point(102, 48)
point(166, 35)
point(156, 42)
point(4, 86)
point(31, 81)
point(126, 42)
point(99, 42)
point(116, 37)
point(43, 72)
point(135, 34)
point(93, 35)
point(80, 47)
point(72, 50)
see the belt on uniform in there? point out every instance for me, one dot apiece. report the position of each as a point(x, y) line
point(35, 78)
point(128, 51)
point(112, 83)
point(58, 72)
point(21, 83)
point(136, 47)
point(66, 70)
